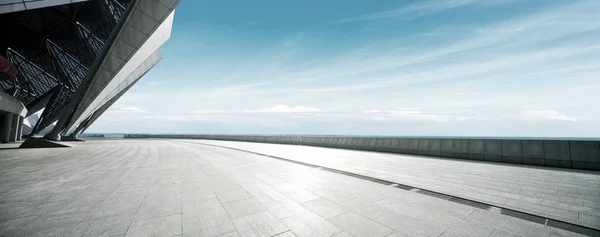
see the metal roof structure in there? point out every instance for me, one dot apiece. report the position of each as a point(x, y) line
point(73, 58)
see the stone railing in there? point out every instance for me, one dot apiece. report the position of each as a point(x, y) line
point(575, 154)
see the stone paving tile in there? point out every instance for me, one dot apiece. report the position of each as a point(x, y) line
point(481, 197)
point(308, 224)
point(46, 231)
point(132, 188)
point(65, 195)
point(448, 234)
point(324, 208)
point(262, 197)
point(301, 195)
point(12, 226)
point(42, 227)
point(590, 203)
point(210, 220)
point(551, 212)
point(409, 226)
point(197, 195)
point(162, 226)
point(286, 234)
point(24, 209)
point(109, 209)
point(259, 224)
point(197, 227)
point(111, 226)
point(499, 233)
point(223, 186)
point(555, 232)
point(284, 187)
point(358, 225)
point(579, 208)
point(127, 197)
point(336, 196)
point(455, 224)
point(232, 195)
point(400, 207)
point(201, 207)
point(230, 234)
point(407, 197)
point(273, 194)
point(24, 197)
point(365, 208)
point(508, 224)
point(284, 208)
point(593, 221)
point(243, 208)
point(375, 195)
point(506, 194)
point(152, 208)
point(158, 192)
point(398, 234)
point(342, 234)
point(69, 217)
point(451, 208)
point(66, 209)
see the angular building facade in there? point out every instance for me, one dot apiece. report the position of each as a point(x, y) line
point(63, 63)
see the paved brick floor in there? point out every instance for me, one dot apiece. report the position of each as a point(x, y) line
point(568, 195)
point(181, 188)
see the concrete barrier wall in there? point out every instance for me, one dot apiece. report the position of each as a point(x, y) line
point(552, 153)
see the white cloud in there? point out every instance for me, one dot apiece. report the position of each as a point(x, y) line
point(371, 111)
point(435, 116)
point(207, 111)
point(422, 8)
point(418, 115)
point(547, 115)
point(285, 109)
point(172, 118)
point(156, 118)
point(129, 109)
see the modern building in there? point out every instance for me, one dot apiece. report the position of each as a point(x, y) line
point(63, 63)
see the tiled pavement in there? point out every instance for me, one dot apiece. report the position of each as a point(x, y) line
point(178, 188)
point(567, 195)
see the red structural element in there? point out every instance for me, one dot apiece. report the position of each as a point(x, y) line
point(7, 67)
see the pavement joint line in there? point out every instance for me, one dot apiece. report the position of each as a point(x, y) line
point(519, 214)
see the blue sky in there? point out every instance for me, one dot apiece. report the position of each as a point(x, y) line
point(438, 67)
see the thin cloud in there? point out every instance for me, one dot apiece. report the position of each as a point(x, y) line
point(547, 115)
point(170, 118)
point(285, 109)
point(129, 109)
point(422, 8)
point(371, 111)
point(413, 114)
point(207, 111)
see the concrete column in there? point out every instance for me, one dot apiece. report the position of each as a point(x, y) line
point(54, 135)
point(81, 127)
point(6, 127)
point(14, 128)
point(20, 132)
